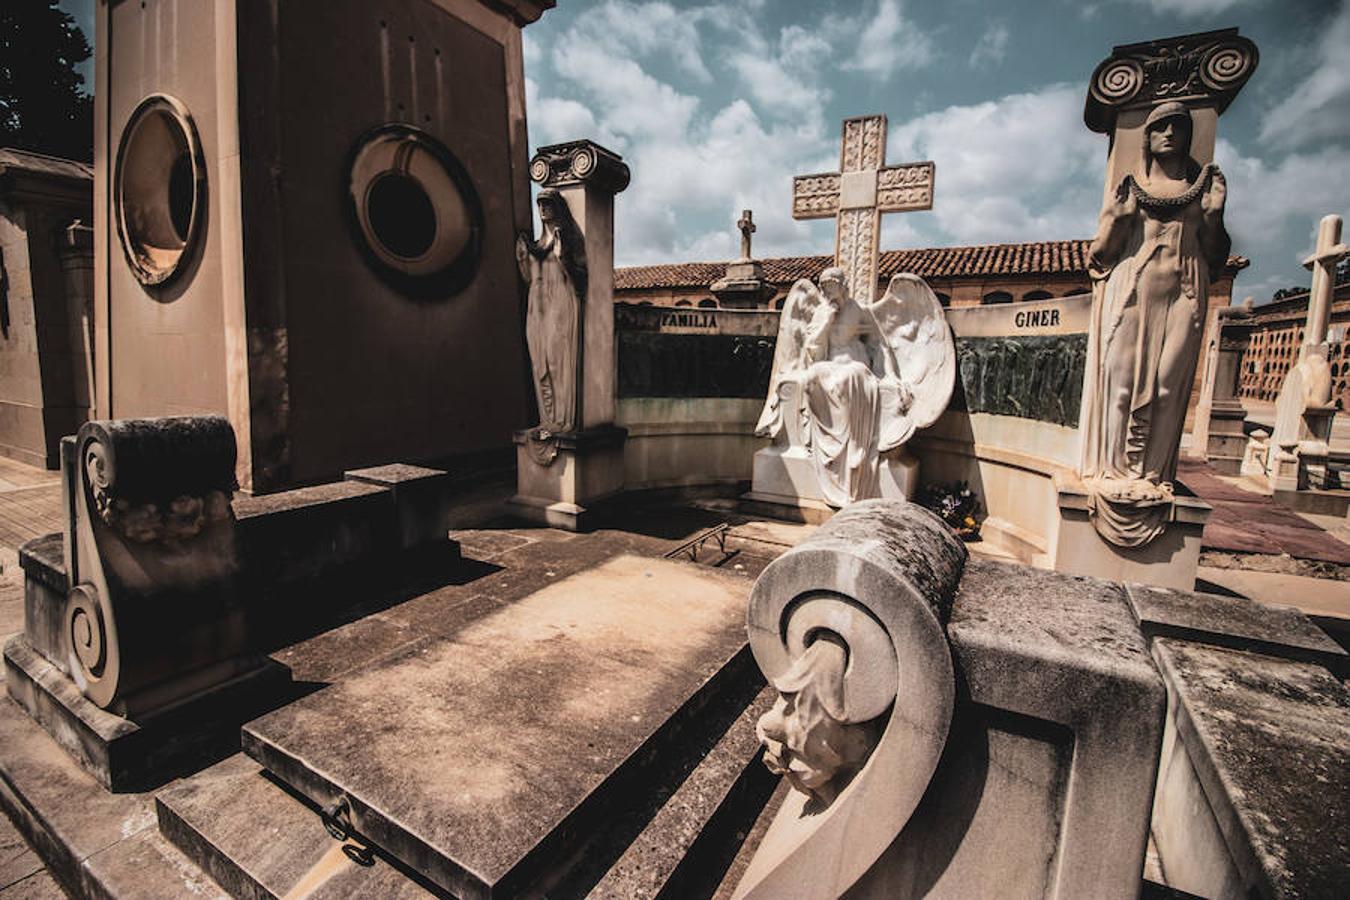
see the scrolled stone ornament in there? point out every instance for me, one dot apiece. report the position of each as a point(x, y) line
point(849, 627)
point(152, 554)
point(1227, 65)
point(1117, 81)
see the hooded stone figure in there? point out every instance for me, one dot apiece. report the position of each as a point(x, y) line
point(555, 267)
point(1160, 236)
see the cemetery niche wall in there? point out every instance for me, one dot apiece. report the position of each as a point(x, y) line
point(304, 216)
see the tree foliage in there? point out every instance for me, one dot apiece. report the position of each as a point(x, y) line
point(43, 105)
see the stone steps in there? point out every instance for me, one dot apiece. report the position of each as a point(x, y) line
point(492, 760)
point(676, 838)
point(259, 841)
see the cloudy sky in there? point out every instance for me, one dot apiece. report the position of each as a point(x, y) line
point(716, 105)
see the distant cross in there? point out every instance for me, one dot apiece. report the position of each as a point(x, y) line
point(857, 195)
point(747, 227)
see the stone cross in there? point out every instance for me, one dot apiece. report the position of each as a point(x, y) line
point(747, 227)
point(856, 195)
point(1329, 252)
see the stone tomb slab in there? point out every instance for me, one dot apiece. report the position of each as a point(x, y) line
point(477, 759)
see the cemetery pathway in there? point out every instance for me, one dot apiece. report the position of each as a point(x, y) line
point(1246, 522)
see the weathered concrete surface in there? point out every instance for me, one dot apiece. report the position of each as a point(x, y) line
point(1064, 650)
point(258, 841)
point(133, 755)
point(1269, 742)
point(693, 837)
point(471, 757)
point(95, 843)
point(1234, 622)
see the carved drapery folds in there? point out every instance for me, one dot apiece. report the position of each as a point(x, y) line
point(151, 556)
point(848, 626)
point(1205, 68)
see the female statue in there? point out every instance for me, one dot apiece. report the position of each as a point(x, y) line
point(1160, 237)
point(555, 267)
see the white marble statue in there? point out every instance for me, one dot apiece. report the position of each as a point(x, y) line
point(1160, 237)
point(851, 382)
point(555, 267)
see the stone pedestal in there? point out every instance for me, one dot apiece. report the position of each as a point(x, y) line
point(1218, 435)
point(1226, 442)
point(1169, 560)
point(743, 286)
point(561, 474)
point(785, 478)
point(585, 467)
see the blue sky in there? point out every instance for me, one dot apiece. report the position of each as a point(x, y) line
point(716, 106)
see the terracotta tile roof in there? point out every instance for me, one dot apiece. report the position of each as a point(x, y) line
point(1033, 258)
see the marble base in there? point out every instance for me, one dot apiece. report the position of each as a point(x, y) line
point(786, 476)
point(562, 493)
point(1170, 560)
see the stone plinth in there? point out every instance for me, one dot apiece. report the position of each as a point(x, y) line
point(743, 286)
point(586, 468)
point(786, 484)
point(1169, 560)
point(134, 754)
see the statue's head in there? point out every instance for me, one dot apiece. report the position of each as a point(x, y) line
point(1167, 131)
point(549, 201)
point(805, 735)
point(834, 284)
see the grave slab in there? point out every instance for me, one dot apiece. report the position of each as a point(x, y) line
point(480, 759)
point(1252, 796)
point(1234, 622)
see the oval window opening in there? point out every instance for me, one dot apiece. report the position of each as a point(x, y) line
point(401, 215)
point(159, 189)
point(415, 212)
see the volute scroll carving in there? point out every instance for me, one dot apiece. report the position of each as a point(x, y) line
point(849, 628)
point(151, 556)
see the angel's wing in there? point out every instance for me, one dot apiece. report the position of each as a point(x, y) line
point(788, 356)
point(921, 370)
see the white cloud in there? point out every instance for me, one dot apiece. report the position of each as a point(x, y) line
point(889, 42)
point(1016, 169)
point(530, 50)
point(991, 48)
point(787, 80)
point(1318, 109)
point(1189, 9)
point(1270, 203)
point(641, 30)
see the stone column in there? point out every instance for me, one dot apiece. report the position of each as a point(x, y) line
point(1304, 411)
point(76, 251)
point(561, 476)
point(1219, 434)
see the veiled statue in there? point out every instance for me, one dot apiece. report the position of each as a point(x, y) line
point(555, 267)
point(1160, 238)
point(852, 381)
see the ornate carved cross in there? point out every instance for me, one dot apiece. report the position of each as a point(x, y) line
point(747, 227)
point(857, 195)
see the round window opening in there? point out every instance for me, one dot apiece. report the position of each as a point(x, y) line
point(416, 214)
point(159, 189)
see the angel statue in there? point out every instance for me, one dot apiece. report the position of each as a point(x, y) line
point(851, 382)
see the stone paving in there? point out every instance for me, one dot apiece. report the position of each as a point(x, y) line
point(1247, 522)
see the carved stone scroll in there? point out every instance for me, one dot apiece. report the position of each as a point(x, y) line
point(849, 627)
point(151, 557)
point(1207, 68)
